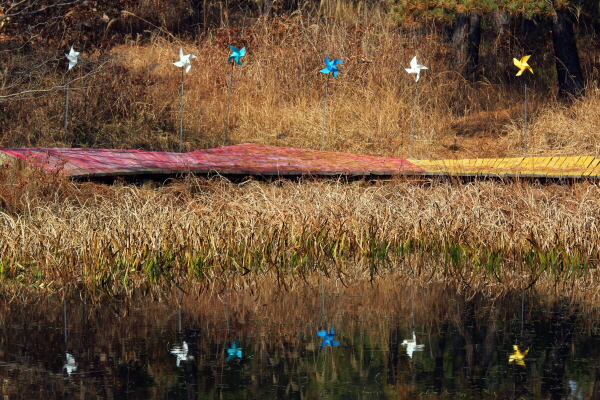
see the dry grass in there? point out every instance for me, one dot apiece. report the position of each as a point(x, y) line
point(483, 236)
point(129, 98)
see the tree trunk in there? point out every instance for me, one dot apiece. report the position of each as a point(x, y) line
point(459, 40)
point(473, 45)
point(466, 37)
point(568, 67)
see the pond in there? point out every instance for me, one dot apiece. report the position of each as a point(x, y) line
point(373, 340)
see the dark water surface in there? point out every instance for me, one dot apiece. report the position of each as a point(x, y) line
point(364, 342)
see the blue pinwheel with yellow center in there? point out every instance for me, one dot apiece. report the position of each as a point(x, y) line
point(331, 67)
point(236, 54)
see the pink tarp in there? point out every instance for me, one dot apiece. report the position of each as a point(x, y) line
point(247, 159)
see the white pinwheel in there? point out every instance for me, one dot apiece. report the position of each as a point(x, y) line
point(184, 60)
point(73, 56)
point(412, 346)
point(415, 68)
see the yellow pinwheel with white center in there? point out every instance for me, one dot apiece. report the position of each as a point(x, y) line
point(518, 356)
point(522, 65)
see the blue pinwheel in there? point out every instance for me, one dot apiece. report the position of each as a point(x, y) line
point(236, 54)
point(331, 67)
point(233, 351)
point(328, 338)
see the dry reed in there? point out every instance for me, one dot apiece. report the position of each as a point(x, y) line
point(483, 236)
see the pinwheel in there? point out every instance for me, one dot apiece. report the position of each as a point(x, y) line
point(330, 68)
point(184, 60)
point(412, 346)
point(236, 54)
point(234, 58)
point(518, 356)
point(181, 352)
point(415, 68)
point(71, 365)
point(73, 56)
point(183, 63)
point(328, 338)
point(523, 66)
point(233, 351)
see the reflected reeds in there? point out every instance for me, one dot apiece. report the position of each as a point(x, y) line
point(265, 340)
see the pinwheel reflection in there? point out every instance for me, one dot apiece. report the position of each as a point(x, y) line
point(328, 338)
point(234, 351)
point(415, 68)
point(518, 356)
point(522, 65)
point(412, 346)
point(236, 54)
point(181, 352)
point(331, 67)
point(71, 365)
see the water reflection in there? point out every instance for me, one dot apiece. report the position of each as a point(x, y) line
point(328, 339)
point(234, 352)
point(412, 346)
point(467, 338)
point(518, 356)
point(71, 365)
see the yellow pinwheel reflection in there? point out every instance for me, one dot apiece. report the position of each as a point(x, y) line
point(522, 65)
point(518, 356)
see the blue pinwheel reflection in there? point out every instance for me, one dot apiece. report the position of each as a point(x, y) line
point(328, 339)
point(234, 351)
point(181, 352)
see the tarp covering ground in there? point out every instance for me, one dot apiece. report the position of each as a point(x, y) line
point(255, 159)
point(242, 159)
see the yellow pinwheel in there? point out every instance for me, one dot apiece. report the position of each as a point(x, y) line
point(518, 356)
point(522, 65)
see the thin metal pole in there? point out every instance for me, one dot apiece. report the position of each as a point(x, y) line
point(412, 140)
point(323, 299)
point(324, 113)
point(181, 114)
point(65, 318)
point(66, 115)
point(525, 124)
point(412, 306)
point(522, 310)
point(228, 104)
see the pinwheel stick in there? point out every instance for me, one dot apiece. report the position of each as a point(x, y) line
point(323, 299)
point(228, 104)
point(525, 138)
point(412, 138)
point(66, 113)
point(181, 114)
point(324, 112)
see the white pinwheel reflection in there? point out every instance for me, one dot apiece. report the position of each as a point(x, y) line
point(412, 346)
point(415, 68)
point(184, 60)
point(71, 365)
point(73, 56)
point(181, 352)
